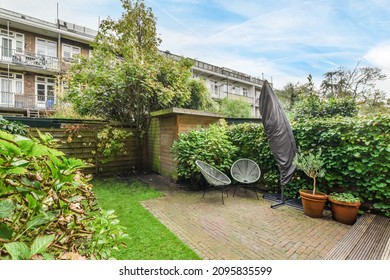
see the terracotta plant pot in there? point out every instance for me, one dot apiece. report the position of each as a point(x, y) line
point(313, 205)
point(344, 212)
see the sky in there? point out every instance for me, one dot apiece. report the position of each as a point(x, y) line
point(281, 41)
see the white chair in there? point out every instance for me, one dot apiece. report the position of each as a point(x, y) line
point(214, 177)
point(246, 172)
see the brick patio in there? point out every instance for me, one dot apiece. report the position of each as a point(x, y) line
point(244, 228)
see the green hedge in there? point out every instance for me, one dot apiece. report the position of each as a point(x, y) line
point(356, 152)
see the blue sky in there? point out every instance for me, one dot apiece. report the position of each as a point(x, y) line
point(283, 41)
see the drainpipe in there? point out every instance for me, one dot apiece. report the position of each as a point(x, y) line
point(9, 49)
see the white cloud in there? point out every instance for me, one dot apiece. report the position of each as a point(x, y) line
point(380, 56)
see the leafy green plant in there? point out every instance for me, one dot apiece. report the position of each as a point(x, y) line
point(344, 197)
point(43, 195)
point(210, 145)
point(13, 127)
point(252, 142)
point(111, 142)
point(311, 164)
point(20, 251)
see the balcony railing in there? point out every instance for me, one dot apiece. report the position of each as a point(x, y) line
point(30, 59)
point(12, 100)
point(219, 70)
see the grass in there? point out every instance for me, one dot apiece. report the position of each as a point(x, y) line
point(149, 239)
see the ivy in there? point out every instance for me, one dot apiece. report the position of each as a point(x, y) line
point(355, 153)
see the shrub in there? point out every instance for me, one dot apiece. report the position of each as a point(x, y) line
point(210, 145)
point(13, 127)
point(47, 208)
point(252, 142)
point(356, 152)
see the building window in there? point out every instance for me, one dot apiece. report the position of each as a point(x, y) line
point(12, 82)
point(68, 52)
point(244, 91)
point(10, 42)
point(45, 88)
point(46, 47)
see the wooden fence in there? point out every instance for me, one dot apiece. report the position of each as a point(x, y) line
point(82, 143)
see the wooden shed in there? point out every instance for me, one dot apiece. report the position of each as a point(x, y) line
point(165, 127)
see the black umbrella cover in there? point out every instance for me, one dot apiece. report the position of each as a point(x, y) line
point(280, 137)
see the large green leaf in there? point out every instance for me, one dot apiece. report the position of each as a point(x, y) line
point(5, 232)
point(37, 221)
point(41, 243)
point(6, 135)
point(7, 208)
point(9, 148)
point(12, 170)
point(18, 250)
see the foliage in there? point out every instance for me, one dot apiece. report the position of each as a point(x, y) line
point(234, 108)
point(150, 240)
point(13, 127)
point(356, 153)
point(200, 97)
point(126, 78)
point(311, 164)
point(47, 208)
point(211, 145)
point(111, 142)
point(358, 84)
point(252, 142)
point(344, 197)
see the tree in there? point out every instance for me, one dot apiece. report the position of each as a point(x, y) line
point(234, 108)
point(126, 78)
point(359, 84)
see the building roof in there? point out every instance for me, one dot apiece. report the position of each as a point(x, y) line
point(67, 30)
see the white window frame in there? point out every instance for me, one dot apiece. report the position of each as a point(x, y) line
point(46, 82)
point(47, 47)
point(16, 46)
point(245, 92)
point(72, 50)
point(16, 79)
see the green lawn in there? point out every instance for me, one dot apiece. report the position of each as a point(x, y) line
point(149, 239)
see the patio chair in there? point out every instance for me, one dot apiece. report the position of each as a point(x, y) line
point(214, 177)
point(246, 172)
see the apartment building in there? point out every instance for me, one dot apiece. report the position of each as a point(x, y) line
point(33, 52)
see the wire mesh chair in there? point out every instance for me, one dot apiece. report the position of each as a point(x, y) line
point(246, 172)
point(214, 177)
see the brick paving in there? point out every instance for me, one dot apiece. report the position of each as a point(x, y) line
point(244, 228)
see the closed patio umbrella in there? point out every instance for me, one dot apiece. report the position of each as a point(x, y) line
point(280, 137)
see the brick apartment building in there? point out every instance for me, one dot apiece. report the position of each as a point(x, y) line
point(33, 52)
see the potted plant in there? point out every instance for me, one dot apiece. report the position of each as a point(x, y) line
point(344, 207)
point(313, 201)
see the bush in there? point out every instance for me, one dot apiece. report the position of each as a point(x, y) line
point(355, 152)
point(252, 142)
point(315, 107)
point(13, 127)
point(210, 145)
point(47, 208)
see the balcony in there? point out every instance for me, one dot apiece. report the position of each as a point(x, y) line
point(29, 59)
point(11, 100)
